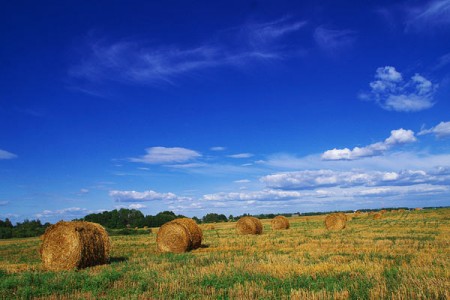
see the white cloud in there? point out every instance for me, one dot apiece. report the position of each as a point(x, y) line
point(163, 155)
point(138, 62)
point(84, 191)
point(242, 181)
point(7, 155)
point(241, 155)
point(432, 14)
point(131, 206)
point(332, 40)
point(397, 137)
point(312, 179)
point(217, 148)
point(3, 203)
point(264, 195)
point(440, 130)
point(66, 213)
point(392, 92)
point(133, 196)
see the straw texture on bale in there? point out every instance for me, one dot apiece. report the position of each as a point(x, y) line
point(280, 222)
point(342, 215)
point(70, 245)
point(335, 222)
point(195, 231)
point(377, 216)
point(208, 227)
point(179, 235)
point(249, 225)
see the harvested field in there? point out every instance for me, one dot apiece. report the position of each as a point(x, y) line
point(401, 256)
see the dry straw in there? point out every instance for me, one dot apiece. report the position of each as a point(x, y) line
point(208, 227)
point(179, 235)
point(70, 245)
point(377, 216)
point(280, 222)
point(342, 215)
point(249, 225)
point(335, 221)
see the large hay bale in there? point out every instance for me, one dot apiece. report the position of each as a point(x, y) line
point(179, 235)
point(69, 245)
point(383, 211)
point(377, 216)
point(280, 222)
point(249, 225)
point(194, 230)
point(173, 237)
point(335, 221)
point(343, 216)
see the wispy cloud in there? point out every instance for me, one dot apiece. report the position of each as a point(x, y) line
point(397, 137)
point(66, 213)
point(6, 155)
point(241, 155)
point(137, 62)
point(133, 196)
point(218, 148)
point(392, 92)
point(334, 40)
point(163, 155)
point(242, 181)
point(440, 130)
point(3, 203)
point(432, 14)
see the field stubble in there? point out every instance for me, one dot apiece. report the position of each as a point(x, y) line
point(401, 256)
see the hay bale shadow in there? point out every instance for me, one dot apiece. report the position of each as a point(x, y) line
point(118, 259)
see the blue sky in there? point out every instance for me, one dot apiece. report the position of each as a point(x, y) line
point(230, 107)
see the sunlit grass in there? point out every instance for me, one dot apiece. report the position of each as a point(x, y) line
point(402, 256)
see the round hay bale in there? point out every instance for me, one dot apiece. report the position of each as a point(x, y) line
point(280, 222)
point(383, 211)
point(208, 227)
point(195, 231)
point(173, 237)
point(249, 225)
point(69, 245)
point(342, 215)
point(335, 222)
point(377, 216)
point(179, 235)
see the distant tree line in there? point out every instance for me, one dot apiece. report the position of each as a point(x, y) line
point(123, 221)
point(25, 229)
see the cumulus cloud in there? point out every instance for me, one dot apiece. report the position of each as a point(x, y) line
point(6, 155)
point(312, 179)
point(397, 137)
point(133, 196)
point(163, 155)
point(440, 130)
point(392, 92)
